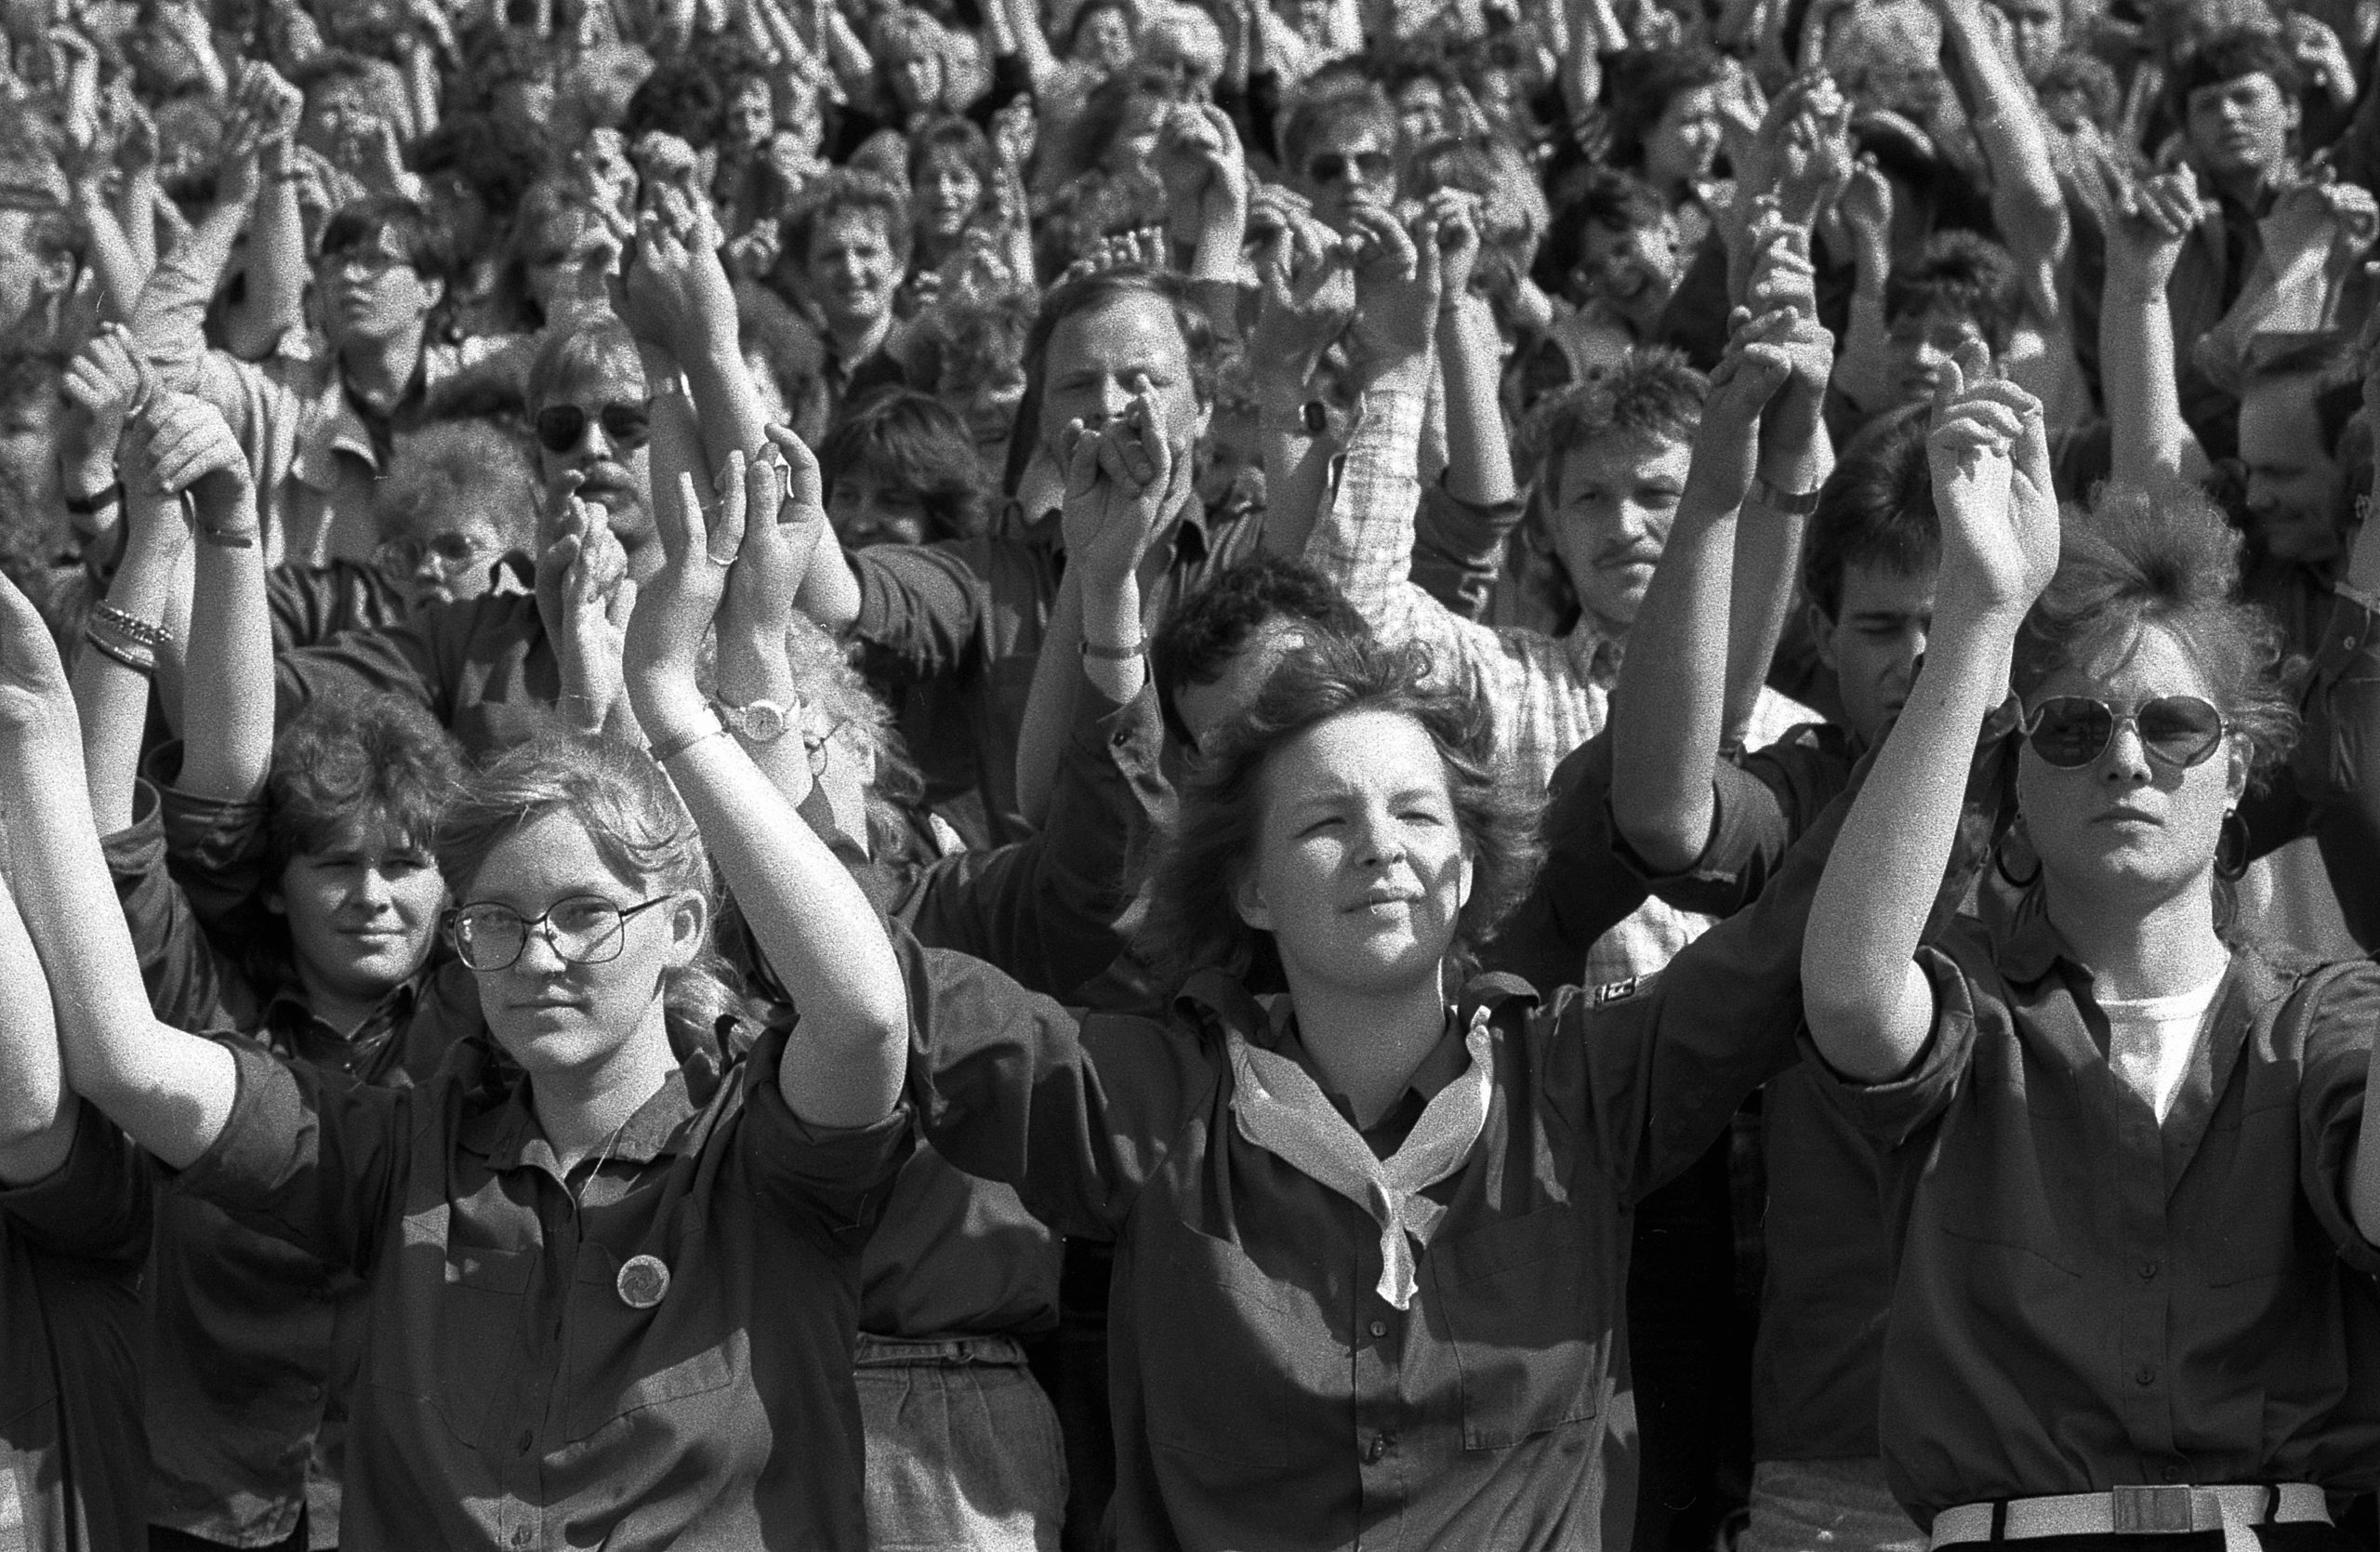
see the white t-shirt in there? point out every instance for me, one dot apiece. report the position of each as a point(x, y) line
point(2150, 1038)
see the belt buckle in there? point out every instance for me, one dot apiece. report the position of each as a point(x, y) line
point(2155, 1511)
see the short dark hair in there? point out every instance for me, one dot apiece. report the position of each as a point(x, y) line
point(2229, 55)
point(2168, 558)
point(1875, 510)
point(950, 129)
point(1598, 197)
point(1193, 920)
point(599, 344)
point(1960, 273)
point(1650, 394)
point(1205, 630)
point(1644, 80)
point(1089, 8)
point(2327, 360)
point(839, 191)
point(351, 764)
point(913, 442)
point(359, 221)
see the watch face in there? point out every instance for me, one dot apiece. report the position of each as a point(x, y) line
point(764, 722)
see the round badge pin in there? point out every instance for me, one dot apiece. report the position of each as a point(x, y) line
point(644, 1281)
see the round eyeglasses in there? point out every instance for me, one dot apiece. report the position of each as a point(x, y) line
point(585, 929)
point(2071, 731)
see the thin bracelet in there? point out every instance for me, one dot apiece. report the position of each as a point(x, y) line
point(228, 538)
point(1113, 654)
point(139, 632)
point(679, 745)
point(138, 660)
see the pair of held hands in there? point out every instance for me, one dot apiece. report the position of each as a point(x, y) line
point(1381, 285)
point(166, 445)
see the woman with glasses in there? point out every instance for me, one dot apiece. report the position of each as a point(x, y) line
point(2135, 1199)
point(459, 499)
point(611, 1254)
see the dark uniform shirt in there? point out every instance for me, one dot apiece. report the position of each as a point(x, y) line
point(1265, 1396)
point(73, 1462)
point(2086, 1298)
point(515, 1394)
point(483, 666)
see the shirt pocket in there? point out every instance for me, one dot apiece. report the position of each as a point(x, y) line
point(466, 1354)
point(623, 1360)
point(1527, 1309)
point(1225, 1349)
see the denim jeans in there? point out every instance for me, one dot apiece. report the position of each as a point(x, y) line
point(963, 1453)
point(1827, 1506)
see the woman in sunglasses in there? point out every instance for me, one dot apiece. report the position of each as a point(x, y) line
point(2124, 1143)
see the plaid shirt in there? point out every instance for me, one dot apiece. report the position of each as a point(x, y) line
point(1549, 694)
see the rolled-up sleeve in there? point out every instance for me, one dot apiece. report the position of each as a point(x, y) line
point(95, 1206)
point(1050, 909)
point(2336, 767)
point(309, 1159)
point(191, 985)
point(920, 610)
point(2343, 1009)
point(1894, 1111)
point(1010, 1086)
point(834, 1178)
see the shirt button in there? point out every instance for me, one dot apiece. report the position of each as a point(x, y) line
point(2171, 1472)
point(2148, 1271)
point(1377, 1447)
point(2144, 1374)
point(1380, 1329)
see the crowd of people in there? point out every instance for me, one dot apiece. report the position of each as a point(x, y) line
point(973, 775)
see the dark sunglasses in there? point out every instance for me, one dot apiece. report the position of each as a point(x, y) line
point(1372, 166)
point(560, 427)
point(2071, 731)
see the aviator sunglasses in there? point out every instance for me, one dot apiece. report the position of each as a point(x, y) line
point(2071, 731)
point(561, 426)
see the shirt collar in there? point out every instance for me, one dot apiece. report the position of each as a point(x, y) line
point(294, 1030)
point(508, 1136)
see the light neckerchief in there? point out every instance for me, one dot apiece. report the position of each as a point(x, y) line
point(1281, 1109)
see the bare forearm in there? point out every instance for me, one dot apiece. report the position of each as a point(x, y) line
point(276, 260)
point(1867, 1003)
point(2150, 440)
point(172, 1092)
point(1050, 703)
point(1668, 707)
point(1479, 460)
point(817, 931)
point(120, 271)
point(1767, 564)
point(36, 1120)
point(114, 698)
point(228, 694)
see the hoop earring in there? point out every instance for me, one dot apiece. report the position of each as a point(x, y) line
point(2015, 835)
point(2231, 847)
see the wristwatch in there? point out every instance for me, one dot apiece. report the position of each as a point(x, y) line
point(761, 722)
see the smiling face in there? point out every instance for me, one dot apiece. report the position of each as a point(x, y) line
point(1613, 503)
point(852, 268)
point(2127, 828)
point(362, 914)
point(1919, 346)
point(751, 117)
point(866, 510)
point(947, 191)
point(1683, 143)
point(1360, 870)
point(1635, 268)
point(549, 1014)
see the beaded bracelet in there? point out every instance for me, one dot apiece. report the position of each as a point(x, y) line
point(132, 628)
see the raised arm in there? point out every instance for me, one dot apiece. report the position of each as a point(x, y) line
point(267, 108)
point(1668, 708)
point(228, 689)
point(1479, 457)
point(820, 935)
point(170, 1091)
point(1307, 300)
point(1870, 1006)
point(753, 661)
point(169, 320)
point(1123, 486)
point(36, 1113)
point(2149, 224)
point(2027, 204)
